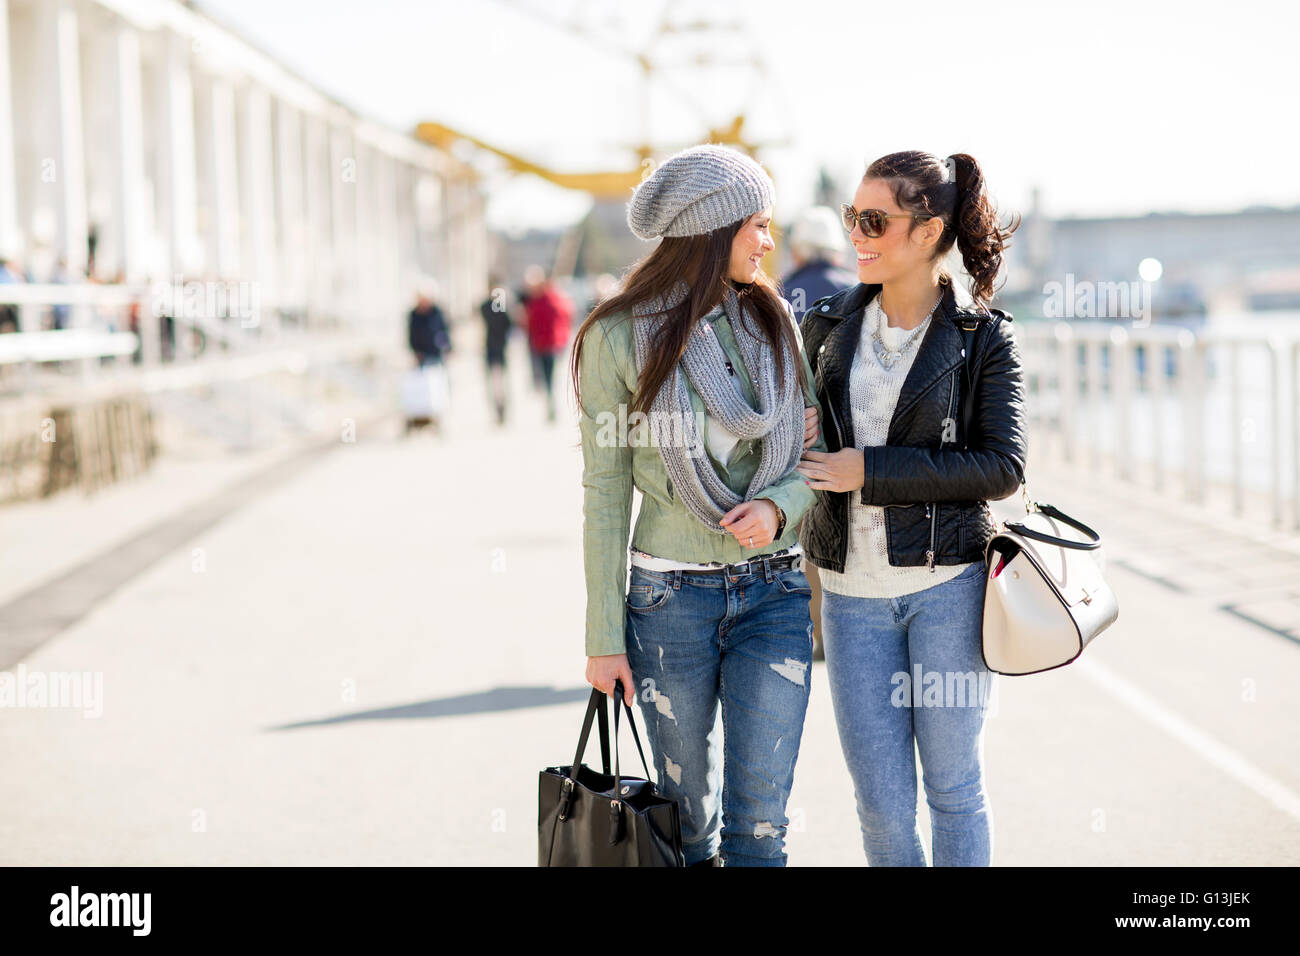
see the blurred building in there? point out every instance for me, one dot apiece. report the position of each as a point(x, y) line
point(1248, 259)
point(141, 140)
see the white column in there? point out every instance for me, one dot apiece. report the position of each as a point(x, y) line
point(407, 257)
point(58, 40)
point(364, 204)
point(129, 192)
point(390, 297)
point(224, 177)
point(178, 170)
point(288, 171)
point(343, 225)
point(255, 173)
point(9, 242)
point(316, 215)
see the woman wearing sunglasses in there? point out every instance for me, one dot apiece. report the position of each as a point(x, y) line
point(702, 360)
point(900, 533)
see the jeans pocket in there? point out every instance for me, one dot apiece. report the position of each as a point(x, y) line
point(793, 581)
point(648, 593)
point(974, 573)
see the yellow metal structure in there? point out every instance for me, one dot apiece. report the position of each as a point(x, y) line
point(605, 185)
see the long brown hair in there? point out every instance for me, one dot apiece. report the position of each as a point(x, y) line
point(702, 262)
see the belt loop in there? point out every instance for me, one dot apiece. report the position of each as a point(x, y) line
point(677, 579)
point(767, 570)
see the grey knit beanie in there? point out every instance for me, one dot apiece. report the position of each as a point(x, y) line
point(697, 191)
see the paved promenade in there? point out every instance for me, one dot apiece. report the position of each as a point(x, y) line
point(363, 654)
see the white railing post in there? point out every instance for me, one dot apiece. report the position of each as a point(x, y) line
point(1121, 358)
point(1236, 423)
point(1093, 399)
point(1067, 386)
point(1191, 366)
point(1157, 390)
point(1295, 436)
point(1276, 459)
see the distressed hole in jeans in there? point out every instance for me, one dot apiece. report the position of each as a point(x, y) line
point(765, 829)
point(673, 770)
point(664, 705)
point(792, 670)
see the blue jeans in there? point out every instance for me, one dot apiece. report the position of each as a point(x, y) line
point(907, 673)
point(699, 640)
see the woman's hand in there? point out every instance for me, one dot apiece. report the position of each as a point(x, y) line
point(843, 470)
point(810, 426)
point(603, 671)
point(752, 523)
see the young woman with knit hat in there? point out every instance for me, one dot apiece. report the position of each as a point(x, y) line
point(921, 440)
point(703, 355)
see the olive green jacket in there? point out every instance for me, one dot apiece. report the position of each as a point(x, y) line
point(618, 455)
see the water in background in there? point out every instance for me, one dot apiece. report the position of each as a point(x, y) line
point(1156, 426)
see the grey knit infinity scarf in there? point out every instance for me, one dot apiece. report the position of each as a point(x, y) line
point(778, 421)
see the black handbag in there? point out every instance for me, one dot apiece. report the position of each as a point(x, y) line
point(585, 818)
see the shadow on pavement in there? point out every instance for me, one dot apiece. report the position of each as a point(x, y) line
point(499, 698)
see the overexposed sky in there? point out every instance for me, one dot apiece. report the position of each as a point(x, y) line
point(1107, 107)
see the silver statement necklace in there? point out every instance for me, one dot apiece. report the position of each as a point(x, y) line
point(887, 357)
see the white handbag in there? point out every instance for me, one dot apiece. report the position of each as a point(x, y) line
point(1045, 598)
point(1044, 595)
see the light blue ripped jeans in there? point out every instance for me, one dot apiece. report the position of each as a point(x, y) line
point(698, 643)
point(907, 676)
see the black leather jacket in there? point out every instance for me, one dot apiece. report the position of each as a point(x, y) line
point(933, 480)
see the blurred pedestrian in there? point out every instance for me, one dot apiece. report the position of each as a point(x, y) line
point(548, 313)
point(427, 326)
point(817, 248)
point(10, 274)
point(61, 312)
point(424, 389)
point(498, 323)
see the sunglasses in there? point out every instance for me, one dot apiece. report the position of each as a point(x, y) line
point(872, 221)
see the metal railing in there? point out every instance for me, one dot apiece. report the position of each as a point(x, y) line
point(1208, 406)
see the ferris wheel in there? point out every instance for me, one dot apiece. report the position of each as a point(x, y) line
point(699, 75)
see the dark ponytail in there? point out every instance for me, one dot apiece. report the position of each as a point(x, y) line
point(921, 185)
point(980, 239)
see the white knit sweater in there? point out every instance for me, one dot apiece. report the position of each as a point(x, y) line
point(873, 391)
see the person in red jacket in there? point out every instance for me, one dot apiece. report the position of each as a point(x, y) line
point(548, 314)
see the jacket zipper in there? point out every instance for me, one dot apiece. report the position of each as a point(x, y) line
point(932, 509)
point(835, 420)
point(830, 403)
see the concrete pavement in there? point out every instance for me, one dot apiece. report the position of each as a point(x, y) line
point(369, 662)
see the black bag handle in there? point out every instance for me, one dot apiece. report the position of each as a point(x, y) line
point(595, 708)
point(1060, 515)
point(616, 804)
point(631, 722)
